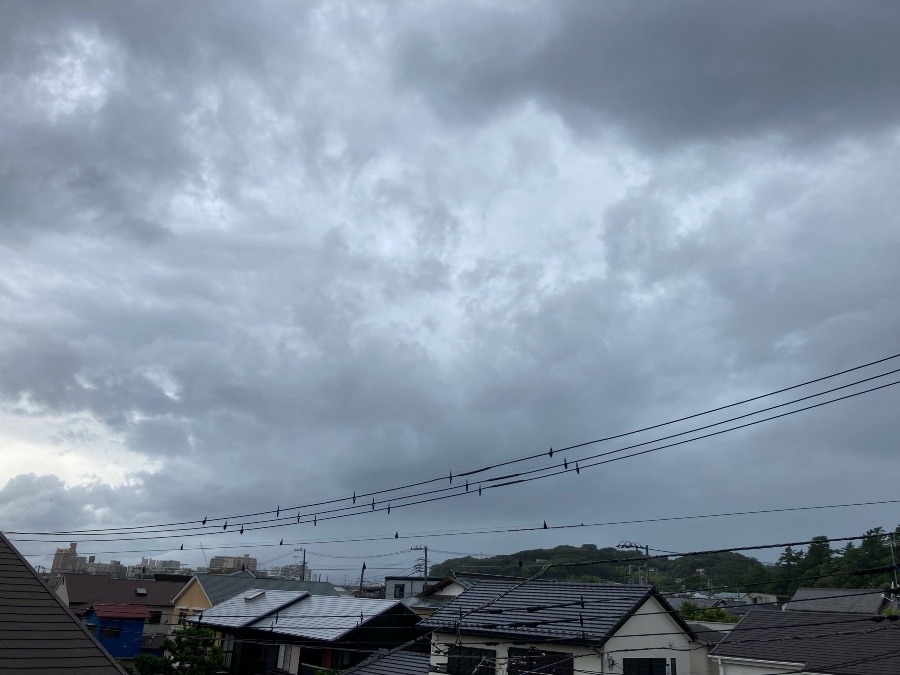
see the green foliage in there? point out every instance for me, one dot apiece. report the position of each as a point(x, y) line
point(691, 612)
point(818, 566)
point(190, 651)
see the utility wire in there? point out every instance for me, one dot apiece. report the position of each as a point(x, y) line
point(473, 472)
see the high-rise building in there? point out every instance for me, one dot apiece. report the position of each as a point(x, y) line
point(65, 560)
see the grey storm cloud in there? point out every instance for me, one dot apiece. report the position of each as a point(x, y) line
point(665, 74)
point(259, 255)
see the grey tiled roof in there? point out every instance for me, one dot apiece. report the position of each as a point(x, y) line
point(320, 618)
point(38, 633)
point(294, 613)
point(220, 587)
point(543, 609)
point(248, 607)
point(819, 642)
point(854, 600)
point(384, 662)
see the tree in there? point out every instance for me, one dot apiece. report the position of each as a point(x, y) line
point(693, 612)
point(190, 651)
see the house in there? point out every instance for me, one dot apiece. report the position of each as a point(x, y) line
point(397, 588)
point(203, 591)
point(119, 628)
point(296, 632)
point(562, 628)
point(830, 643)
point(81, 591)
point(435, 596)
point(32, 618)
point(852, 600)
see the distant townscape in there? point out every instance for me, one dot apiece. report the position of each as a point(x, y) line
point(558, 611)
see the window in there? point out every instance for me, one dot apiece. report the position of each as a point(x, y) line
point(648, 667)
point(110, 631)
point(469, 661)
point(155, 617)
point(532, 660)
point(399, 590)
point(284, 658)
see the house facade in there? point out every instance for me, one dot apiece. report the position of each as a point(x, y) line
point(295, 633)
point(509, 628)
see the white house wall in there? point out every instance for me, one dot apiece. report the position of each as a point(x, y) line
point(653, 633)
point(586, 660)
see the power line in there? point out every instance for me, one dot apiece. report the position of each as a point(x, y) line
point(510, 479)
point(359, 509)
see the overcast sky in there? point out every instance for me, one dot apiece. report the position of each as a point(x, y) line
point(267, 254)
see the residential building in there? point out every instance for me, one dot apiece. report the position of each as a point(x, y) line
point(397, 588)
point(32, 619)
point(562, 628)
point(119, 628)
point(297, 633)
point(66, 560)
point(850, 600)
point(81, 591)
point(227, 563)
point(827, 643)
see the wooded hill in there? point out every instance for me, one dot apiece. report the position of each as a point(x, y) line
point(819, 565)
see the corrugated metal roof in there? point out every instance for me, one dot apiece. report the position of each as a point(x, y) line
point(248, 607)
point(541, 609)
point(384, 662)
point(33, 619)
point(321, 618)
point(820, 642)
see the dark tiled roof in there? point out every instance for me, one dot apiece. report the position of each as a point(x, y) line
point(221, 587)
point(39, 635)
point(384, 662)
point(853, 600)
point(820, 642)
point(97, 589)
point(543, 609)
point(709, 634)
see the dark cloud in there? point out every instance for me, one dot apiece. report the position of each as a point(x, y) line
point(260, 256)
point(666, 75)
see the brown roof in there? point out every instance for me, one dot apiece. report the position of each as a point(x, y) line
point(121, 612)
point(101, 589)
point(32, 619)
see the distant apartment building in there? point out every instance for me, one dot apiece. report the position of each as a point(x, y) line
point(300, 572)
point(113, 568)
point(67, 560)
point(227, 563)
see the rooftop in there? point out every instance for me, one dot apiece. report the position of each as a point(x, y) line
point(818, 642)
point(541, 609)
point(32, 617)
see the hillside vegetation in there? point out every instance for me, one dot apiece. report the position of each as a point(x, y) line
point(819, 565)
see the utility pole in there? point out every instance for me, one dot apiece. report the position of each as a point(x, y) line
point(362, 574)
point(424, 571)
point(637, 547)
